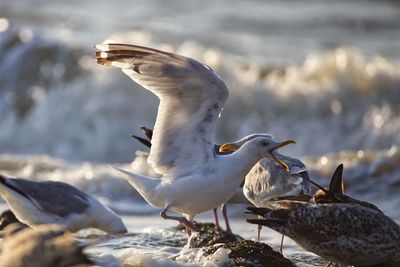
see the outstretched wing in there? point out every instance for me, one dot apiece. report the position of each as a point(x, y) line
point(191, 99)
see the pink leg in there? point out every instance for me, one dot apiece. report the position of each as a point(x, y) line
point(217, 226)
point(225, 214)
point(281, 249)
point(182, 220)
point(259, 227)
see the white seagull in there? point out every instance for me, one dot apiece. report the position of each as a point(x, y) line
point(35, 203)
point(194, 178)
point(268, 180)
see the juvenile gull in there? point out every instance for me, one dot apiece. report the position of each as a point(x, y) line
point(35, 203)
point(46, 246)
point(336, 227)
point(346, 233)
point(194, 178)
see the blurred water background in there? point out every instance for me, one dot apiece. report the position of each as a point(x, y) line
point(325, 73)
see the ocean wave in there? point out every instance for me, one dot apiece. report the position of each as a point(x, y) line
point(331, 102)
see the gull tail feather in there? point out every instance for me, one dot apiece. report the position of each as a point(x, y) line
point(146, 186)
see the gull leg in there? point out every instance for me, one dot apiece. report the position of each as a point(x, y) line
point(259, 227)
point(225, 214)
point(182, 220)
point(217, 226)
point(281, 248)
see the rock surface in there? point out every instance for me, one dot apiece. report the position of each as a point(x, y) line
point(245, 253)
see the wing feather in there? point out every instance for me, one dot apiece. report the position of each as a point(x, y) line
point(191, 98)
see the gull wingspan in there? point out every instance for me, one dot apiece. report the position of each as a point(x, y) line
point(191, 99)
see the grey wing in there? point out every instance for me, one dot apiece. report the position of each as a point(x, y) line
point(191, 99)
point(57, 198)
point(267, 180)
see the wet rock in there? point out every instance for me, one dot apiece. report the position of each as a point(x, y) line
point(249, 253)
point(208, 236)
point(243, 252)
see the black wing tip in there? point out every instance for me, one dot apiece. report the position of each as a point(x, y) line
point(2, 178)
point(147, 131)
point(256, 221)
point(142, 140)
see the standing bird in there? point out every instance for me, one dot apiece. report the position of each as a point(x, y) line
point(238, 197)
point(346, 233)
point(274, 180)
point(49, 202)
point(194, 178)
point(267, 180)
point(336, 227)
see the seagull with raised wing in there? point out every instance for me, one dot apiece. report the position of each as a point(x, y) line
point(194, 178)
point(49, 202)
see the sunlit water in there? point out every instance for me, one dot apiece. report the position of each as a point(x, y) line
point(326, 74)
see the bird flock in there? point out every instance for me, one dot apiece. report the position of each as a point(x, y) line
point(198, 175)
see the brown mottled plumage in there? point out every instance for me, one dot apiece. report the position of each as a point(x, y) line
point(336, 190)
point(45, 246)
point(346, 233)
point(336, 227)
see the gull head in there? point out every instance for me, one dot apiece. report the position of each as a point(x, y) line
point(230, 147)
point(261, 143)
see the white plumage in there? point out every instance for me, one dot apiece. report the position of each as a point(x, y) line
point(194, 179)
point(35, 203)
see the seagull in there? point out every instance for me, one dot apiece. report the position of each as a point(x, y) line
point(194, 178)
point(347, 233)
point(45, 246)
point(238, 197)
point(35, 203)
point(358, 231)
point(268, 180)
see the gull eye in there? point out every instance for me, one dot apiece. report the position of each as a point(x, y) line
point(264, 143)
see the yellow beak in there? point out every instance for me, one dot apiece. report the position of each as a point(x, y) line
point(282, 144)
point(228, 147)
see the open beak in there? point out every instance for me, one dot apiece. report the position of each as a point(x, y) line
point(280, 162)
point(228, 147)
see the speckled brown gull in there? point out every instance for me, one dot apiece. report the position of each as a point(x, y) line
point(345, 233)
point(336, 227)
point(45, 246)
